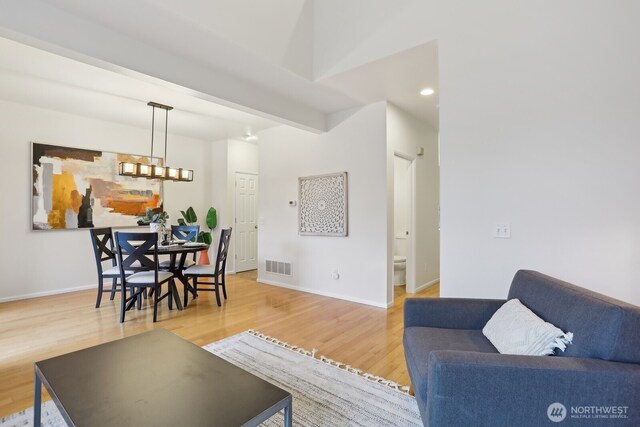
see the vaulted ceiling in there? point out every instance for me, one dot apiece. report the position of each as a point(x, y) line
point(249, 55)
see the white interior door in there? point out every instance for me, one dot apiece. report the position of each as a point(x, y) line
point(246, 230)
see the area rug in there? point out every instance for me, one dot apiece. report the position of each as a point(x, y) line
point(325, 392)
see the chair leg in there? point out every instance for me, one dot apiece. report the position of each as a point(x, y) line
point(139, 299)
point(170, 294)
point(186, 296)
point(155, 304)
point(224, 288)
point(123, 301)
point(114, 286)
point(99, 298)
point(217, 285)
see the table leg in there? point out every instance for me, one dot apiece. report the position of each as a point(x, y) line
point(288, 415)
point(174, 294)
point(37, 399)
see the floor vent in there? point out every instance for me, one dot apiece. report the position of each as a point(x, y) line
point(278, 267)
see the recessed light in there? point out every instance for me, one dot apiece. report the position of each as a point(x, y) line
point(427, 91)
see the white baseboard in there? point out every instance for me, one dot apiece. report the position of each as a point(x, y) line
point(427, 285)
point(48, 293)
point(323, 293)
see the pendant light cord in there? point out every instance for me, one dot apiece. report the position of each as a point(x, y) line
point(166, 130)
point(153, 119)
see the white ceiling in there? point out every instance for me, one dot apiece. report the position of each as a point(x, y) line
point(266, 47)
point(262, 42)
point(35, 77)
point(397, 79)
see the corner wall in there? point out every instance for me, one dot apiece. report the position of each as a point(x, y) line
point(405, 135)
point(228, 156)
point(357, 145)
point(37, 263)
point(243, 158)
point(538, 128)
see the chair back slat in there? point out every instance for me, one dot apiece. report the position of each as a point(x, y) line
point(103, 246)
point(223, 250)
point(137, 251)
point(185, 232)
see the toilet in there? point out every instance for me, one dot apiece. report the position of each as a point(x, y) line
point(399, 270)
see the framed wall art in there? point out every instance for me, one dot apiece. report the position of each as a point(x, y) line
point(323, 205)
point(75, 188)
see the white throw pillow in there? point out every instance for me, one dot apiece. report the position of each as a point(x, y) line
point(514, 329)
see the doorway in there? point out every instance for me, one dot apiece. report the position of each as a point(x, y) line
point(403, 226)
point(246, 222)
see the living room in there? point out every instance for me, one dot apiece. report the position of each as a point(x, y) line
point(536, 131)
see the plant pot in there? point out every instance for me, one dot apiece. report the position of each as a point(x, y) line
point(156, 227)
point(204, 257)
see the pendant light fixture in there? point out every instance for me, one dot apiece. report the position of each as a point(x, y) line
point(154, 170)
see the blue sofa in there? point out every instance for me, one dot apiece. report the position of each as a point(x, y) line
point(460, 379)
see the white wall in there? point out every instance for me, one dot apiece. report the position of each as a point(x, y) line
point(401, 204)
point(538, 128)
point(242, 157)
point(219, 192)
point(357, 145)
point(229, 156)
point(405, 135)
point(44, 262)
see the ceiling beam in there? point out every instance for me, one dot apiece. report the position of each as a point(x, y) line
point(46, 27)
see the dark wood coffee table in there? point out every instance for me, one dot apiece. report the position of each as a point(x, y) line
point(155, 379)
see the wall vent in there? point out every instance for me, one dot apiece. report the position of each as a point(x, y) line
point(278, 267)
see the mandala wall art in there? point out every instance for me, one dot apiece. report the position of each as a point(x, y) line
point(323, 205)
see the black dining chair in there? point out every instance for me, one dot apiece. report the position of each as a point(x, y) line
point(103, 249)
point(215, 271)
point(138, 253)
point(183, 232)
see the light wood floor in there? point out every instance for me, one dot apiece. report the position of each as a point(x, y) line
point(365, 337)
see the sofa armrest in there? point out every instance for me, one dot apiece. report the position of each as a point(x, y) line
point(451, 313)
point(468, 388)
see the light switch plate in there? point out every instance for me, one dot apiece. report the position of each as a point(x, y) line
point(502, 230)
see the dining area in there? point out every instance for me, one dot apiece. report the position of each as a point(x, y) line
point(123, 201)
point(143, 269)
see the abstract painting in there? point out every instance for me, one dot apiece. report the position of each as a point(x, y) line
point(323, 205)
point(77, 188)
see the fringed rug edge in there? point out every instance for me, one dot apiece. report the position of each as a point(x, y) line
point(342, 366)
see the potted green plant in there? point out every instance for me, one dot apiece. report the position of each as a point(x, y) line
point(189, 217)
point(156, 220)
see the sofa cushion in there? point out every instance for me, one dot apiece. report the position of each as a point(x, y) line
point(420, 341)
point(603, 328)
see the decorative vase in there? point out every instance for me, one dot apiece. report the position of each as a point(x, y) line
point(204, 257)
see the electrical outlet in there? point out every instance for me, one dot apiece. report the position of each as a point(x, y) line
point(335, 274)
point(502, 231)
